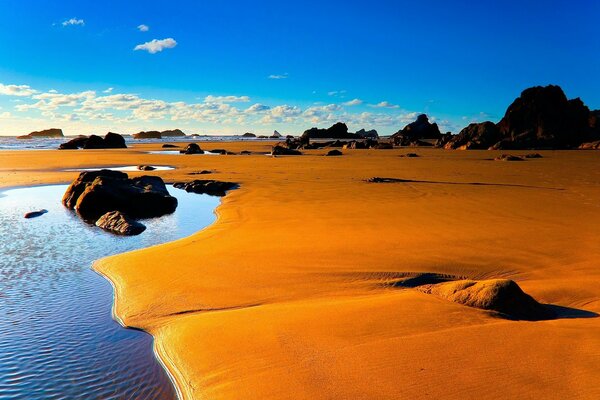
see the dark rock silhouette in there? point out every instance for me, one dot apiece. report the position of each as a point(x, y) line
point(46, 133)
point(95, 193)
point(110, 141)
point(212, 187)
point(118, 223)
point(146, 167)
point(415, 132)
point(508, 157)
point(333, 153)
point(172, 133)
point(169, 146)
point(475, 136)
point(372, 134)
point(249, 135)
point(34, 214)
point(338, 130)
point(284, 151)
point(147, 135)
point(192, 148)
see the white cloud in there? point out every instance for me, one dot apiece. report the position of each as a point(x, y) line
point(256, 108)
point(17, 90)
point(155, 45)
point(354, 102)
point(73, 21)
point(384, 104)
point(108, 90)
point(278, 76)
point(143, 28)
point(336, 93)
point(5, 115)
point(226, 99)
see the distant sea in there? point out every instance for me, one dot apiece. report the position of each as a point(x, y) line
point(12, 143)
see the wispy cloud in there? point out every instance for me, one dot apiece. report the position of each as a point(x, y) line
point(384, 104)
point(354, 102)
point(109, 90)
point(73, 21)
point(280, 76)
point(155, 46)
point(226, 99)
point(336, 93)
point(143, 28)
point(17, 90)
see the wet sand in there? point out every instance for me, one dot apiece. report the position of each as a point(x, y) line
point(291, 294)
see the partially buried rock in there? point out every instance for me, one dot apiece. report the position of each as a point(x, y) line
point(333, 153)
point(508, 157)
point(33, 214)
point(284, 151)
point(533, 155)
point(212, 187)
point(192, 148)
point(119, 223)
point(203, 172)
point(409, 155)
point(169, 146)
point(95, 193)
point(245, 152)
point(500, 295)
point(146, 167)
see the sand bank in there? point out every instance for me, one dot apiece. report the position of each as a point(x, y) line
point(288, 294)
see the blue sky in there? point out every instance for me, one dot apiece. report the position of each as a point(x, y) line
point(232, 67)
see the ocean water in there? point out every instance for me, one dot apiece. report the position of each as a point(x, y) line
point(12, 143)
point(58, 339)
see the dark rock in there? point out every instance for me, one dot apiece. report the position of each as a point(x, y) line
point(590, 145)
point(114, 141)
point(147, 135)
point(338, 130)
point(409, 155)
point(146, 168)
point(94, 142)
point(74, 144)
point(417, 130)
point(34, 214)
point(475, 136)
point(192, 148)
point(263, 137)
point(372, 134)
point(245, 152)
point(120, 224)
point(383, 146)
point(95, 193)
point(203, 172)
point(508, 157)
point(172, 133)
point(249, 135)
point(284, 151)
point(46, 133)
point(533, 155)
point(289, 136)
point(169, 146)
point(212, 187)
point(334, 153)
point(217, 151)
point(275, 135)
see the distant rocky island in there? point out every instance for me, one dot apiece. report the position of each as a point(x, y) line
point(158, 134)
point(338, 130)
point(44, 134)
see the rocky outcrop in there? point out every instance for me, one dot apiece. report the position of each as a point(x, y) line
point(372, 134)
point(95, 193)
point(172, 133)
point(118, 223)
point(147, 135)
point(110, 141)
point(481, 135)
point(284, 151)
point(416, 132)
point(333, 153)
point(541, 117)
point(338, 130)
point(249, 135)
point(211, 187)
point(46, 133)
point(276, 135)
point(192, 148)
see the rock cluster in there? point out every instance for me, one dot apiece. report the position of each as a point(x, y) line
point(158, 135)
point(96, 193)
point(110, 141)
point(416, 132)
point(212, 187)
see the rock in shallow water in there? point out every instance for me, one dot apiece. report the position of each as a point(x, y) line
point(33, 214)
point(119, 223)
point(212, 187)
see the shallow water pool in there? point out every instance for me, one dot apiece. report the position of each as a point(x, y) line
point(57, 336)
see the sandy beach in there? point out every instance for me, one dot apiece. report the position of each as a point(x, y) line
point(292, 292)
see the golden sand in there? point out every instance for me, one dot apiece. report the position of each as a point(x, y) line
point(288, 295)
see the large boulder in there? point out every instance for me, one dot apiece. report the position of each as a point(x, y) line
point(95, 193)
point(46, 133)
point(120, 224)
point(114, 141)
point(475, 136)
point(211, 187)
point(372, 134)
point(338, 130)
point(249, 135)
point(416, 131)
point(284, 151)
point(94, 142)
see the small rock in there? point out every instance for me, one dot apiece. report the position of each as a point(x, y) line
point(169, 146)
point(192, 148)
point(212, 187)
point(334, 153)
point(120, 224)
point(410, 155)
point(508, 157)
point(146, 167)
point(33, 214)
point(284, 151)
point(533, 155)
